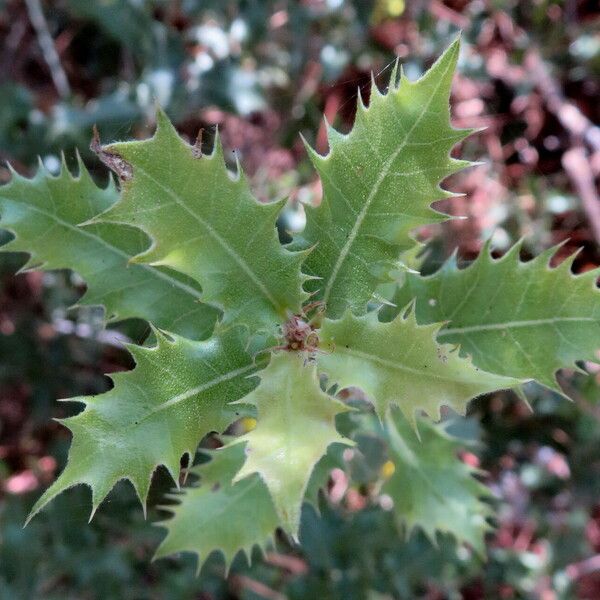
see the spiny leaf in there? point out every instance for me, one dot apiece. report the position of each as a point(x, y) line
point(155, 414)
point(44, 213)
point(378, 184)
point(296, 424)
point(520, 319)
point(219, 515)
point(431, 488)
point(401, 363)
point(204, 222)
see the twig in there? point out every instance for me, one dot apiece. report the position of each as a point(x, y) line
point(290, 563)
point(59, 77)
point(576, 162)
point(584, 567)
point(570, 117)
point(257, 587)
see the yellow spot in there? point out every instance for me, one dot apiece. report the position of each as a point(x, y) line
point(387, 469)
point(387, 9)
point(395, 7)
point(248, 423)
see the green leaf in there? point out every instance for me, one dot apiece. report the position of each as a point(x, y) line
point(155, 414)
point(431, 488)
point(204, 222)
point(44, 213)
point(296, 424)
point(520, 319)
point(378, 184)
point(401, 363)
point(219, 515)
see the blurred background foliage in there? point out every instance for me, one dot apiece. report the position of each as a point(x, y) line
point(263, 71)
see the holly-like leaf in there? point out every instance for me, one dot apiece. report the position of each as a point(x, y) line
point(431, 488)
point(520, 319)
point(296, 424)
point(44, 213)
point(378, 184)
point(177, 393)
point(204, 222)
point(218, 515)
point(401, 363)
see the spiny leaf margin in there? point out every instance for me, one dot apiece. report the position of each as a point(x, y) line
point(296, 425)
point(379, 181)
point(218, 234)
point(400, 362)
point(218, 515)
point(479, 303)
point(156, 413)
point(431, 488)
point(44, 214)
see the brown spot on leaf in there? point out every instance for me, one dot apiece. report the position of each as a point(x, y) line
point(197, 147)
point(112, 160)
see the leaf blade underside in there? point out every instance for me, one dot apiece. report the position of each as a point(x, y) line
point(296, 424)
point(378, 184)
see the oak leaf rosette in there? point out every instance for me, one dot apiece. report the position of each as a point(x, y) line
point(245, 326)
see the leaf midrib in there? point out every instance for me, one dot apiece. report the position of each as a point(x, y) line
point(217, 237)
point(148, 268)
point(197, 390)
point(514, 325)
point(397, 366)
point(383, 175)
point(398, 443)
